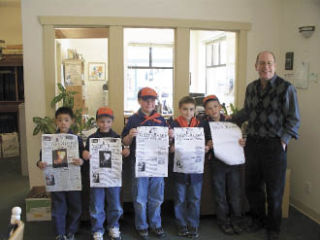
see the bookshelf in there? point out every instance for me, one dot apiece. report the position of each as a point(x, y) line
point(11, 91)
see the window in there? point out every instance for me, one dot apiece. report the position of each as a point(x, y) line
point(212, 64)
point(148, 63)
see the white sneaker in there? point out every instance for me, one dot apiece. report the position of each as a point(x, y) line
point(98, 236)
point(114, 233)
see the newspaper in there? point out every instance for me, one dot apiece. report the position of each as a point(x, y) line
point(225, 137)
point(58, 150)
point(189, 153)
point(152, 148)
point(105, 162)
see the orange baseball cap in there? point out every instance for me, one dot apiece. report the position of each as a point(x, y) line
point(104, 112)
point(146, 93)
point(210, 98)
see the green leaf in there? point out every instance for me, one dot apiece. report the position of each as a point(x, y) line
point(61, 88)
point(55, 100)
point(36, 130)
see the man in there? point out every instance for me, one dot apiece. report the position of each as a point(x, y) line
point(271, 109)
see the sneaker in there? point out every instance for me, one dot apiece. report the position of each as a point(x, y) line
point(272, 235)
point(183, 231)
point(159, 232)
point(143, 234)
point(98, 236)
point(226, 228)
point(70, 236)
point(114, 234)
point(193, 232)
point(61, 237)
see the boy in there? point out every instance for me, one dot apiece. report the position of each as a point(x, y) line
point(147, 191)
point(66, 205)
point(225, 177)
point(104, 118)
point(187, 186)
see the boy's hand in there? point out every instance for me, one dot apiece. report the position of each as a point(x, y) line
point(77, 161)
point(133, 133)
point(209, 144)
point(171, 133)
point(207, 148)
point(242, 142)
point(41, 165)
point(125, 152)
point(228, 117)
point(86, 155)
point(172, 149)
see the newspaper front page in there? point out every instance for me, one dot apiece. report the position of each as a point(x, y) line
point(225, 138)
point(58, 150)
point(189, 154)
point(105, 162)
point(152, 148)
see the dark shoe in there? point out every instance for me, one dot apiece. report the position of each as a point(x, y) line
point(61, 237)
point(143, 234)
point(272, 235)
point(159, 232)
point(254, 226)
point(193, 232)
point(226, 228)
point(183, 231)
point(70, 236)
point(236, 228)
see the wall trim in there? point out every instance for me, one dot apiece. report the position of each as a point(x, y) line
point(144, 22)
point(305, 210)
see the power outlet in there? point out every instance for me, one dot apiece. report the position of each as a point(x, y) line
point(308, 187)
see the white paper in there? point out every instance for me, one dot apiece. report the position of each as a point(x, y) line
point(225, 137)
point(189, 153)
point(105, 162)
point(58, 151)
point(152, 149)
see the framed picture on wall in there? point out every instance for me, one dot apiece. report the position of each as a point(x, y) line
point(96, 71)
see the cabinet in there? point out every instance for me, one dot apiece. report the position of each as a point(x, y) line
point(11, 91)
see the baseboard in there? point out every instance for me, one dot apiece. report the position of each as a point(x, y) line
point(313, 215)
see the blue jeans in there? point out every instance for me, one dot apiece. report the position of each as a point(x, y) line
point(147, 195)
point(98, 197)
point(187, 204)
point(66, 211)
point(227, 191)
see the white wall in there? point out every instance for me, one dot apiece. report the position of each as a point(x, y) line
point(303, 155)
point(264, 16)
point(92, 50)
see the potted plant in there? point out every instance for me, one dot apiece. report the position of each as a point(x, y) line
point(66, 99)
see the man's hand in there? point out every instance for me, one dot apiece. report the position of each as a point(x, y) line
point(284, 145)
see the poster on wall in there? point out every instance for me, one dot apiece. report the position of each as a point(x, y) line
point(96, 71)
